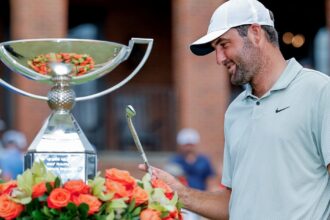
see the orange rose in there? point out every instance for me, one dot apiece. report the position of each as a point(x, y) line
point(150, 214)
point(158, 183)
point(8, 208)
point(58, 198)
point(118, 189)
point(93, 203)
point(121, 176)
point(7, 188)
point(40, 189)
point(140, 195)
point(76, 186)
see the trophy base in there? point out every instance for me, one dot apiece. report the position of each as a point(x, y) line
point(63, 148)
point(68, 166)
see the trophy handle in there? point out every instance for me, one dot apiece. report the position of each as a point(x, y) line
point(22, 92)
point(129, 77)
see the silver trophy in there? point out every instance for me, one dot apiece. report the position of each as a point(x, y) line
point(61, 144)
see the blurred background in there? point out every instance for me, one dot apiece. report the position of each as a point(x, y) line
point(174, 89)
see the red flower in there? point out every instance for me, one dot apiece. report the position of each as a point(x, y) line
point(150, 214)
point(140, 196)
point(7, 188)
point(39, 190)
point(118, 189)
point(93, 203)
point(76, 186)
point(121, 176)
point(8, 208)
point(173, 215)
point(58, 198)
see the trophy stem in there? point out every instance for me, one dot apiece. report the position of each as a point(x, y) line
point(61, 97)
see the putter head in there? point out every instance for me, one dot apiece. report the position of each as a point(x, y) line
point(130, 112)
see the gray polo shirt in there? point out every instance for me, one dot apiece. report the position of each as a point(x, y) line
point(278, 147)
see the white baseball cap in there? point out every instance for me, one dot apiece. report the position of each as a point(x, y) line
point(231, 14)
point(188, 136)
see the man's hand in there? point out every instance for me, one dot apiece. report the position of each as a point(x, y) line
point(169, 179)
point(212, 205)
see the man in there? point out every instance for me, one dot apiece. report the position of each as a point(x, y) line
point(11, 163)
point(197, 167)
point(277, 141)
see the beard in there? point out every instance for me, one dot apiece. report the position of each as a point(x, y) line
point(248, 63)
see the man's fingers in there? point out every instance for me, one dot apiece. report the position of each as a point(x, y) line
point(142, 167)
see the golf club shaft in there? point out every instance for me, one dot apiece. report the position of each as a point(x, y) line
point(138, 144)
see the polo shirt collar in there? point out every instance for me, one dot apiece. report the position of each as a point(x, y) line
point(289, 74)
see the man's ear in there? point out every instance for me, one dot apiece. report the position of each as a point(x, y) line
point(255, 33)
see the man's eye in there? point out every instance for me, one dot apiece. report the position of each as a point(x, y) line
point(224, 45)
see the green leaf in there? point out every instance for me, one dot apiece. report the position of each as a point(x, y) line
point(57, 182)
point(98, 188)
point(54, 211)
point(105, 197)
point(46, 211)
point(116, 204)
point(39, 168)
point(38, 215)
point(136, 211)
point(25, 182)
point(40, 173)
point(23, 200)
point(42, 198)
point(159, 196)
point(71, 207)
point(111, 216)
point(131, 206)
point(146, 183)
point(100, 217)
point(103, 207)
point(164, 214)
point(83, 210)
point(49, 187)
point(20, 196)
point(175, 199)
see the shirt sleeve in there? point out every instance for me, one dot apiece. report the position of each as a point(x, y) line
point(226, 168)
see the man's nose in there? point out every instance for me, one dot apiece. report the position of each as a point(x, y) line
point(220, 55)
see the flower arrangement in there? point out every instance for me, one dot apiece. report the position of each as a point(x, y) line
point(38, 194)
point(81, 62)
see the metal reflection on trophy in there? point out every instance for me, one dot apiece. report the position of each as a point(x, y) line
point(63, 63)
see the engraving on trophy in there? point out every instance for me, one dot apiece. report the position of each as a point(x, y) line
point(61, 144)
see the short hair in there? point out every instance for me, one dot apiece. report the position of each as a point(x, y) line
point(271, 33)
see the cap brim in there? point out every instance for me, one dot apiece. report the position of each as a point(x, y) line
point(203, 46)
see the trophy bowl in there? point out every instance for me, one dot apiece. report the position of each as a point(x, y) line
point(63, 63)
point(106, 56)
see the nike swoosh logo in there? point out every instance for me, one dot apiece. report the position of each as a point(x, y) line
point(281, 109)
